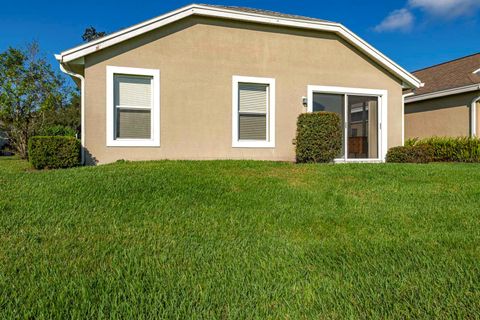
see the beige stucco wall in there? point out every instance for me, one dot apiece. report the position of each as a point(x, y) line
point(197, 58)
point(447, 116)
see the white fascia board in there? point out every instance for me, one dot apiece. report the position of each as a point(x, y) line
point(184, 12)
point(442, 93)
point(125, 34)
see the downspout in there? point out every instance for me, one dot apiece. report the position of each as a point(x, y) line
point(473, 115)
point(82, 107)
point(403, 114)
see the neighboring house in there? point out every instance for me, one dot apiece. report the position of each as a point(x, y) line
point(448, 103)
point(214, 82)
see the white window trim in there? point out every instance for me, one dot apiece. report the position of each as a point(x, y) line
point(270, 142)
point(155, 114)
point(382, 124)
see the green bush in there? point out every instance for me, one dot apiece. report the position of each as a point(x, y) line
point(445, 149)
point(58, 130)
point(319, 137)
point(411, 142)
point(410, 154)
point(54, 152)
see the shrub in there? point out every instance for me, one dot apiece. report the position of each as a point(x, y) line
point(58, 130)
point(54, 152)
point(319, 137)
point(410, 154)
point(411, 142)
point(458, 149)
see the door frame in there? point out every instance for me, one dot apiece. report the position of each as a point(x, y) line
point(382, 116)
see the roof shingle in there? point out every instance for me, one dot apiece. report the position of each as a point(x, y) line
point(265, 12)
point(452, 74)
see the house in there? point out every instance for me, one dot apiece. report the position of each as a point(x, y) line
point(216, 82)
point(448, 103)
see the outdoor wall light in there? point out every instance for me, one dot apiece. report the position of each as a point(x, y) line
point(305, 101)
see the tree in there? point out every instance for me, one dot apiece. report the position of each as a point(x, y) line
point(28, 88)
point(91, 34)
point(68, 116)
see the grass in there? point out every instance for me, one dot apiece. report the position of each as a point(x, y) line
point(236, 240)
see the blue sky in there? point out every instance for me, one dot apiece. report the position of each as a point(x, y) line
point(414, 33)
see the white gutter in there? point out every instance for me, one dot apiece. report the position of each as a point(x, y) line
point(82, 105)
point(473, 120)
point(442, 93)
point(404, 96)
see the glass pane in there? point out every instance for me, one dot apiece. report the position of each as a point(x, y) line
point(331, 103)
point(252, 127)
point(252, 97)
point(133, 124)
point(133, 91)
point(362, 127)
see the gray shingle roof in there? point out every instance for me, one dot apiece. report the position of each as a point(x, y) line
point(265, 12)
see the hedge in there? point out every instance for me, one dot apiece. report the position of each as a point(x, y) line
point(445, 149)
point(54, 152)
point(58, 130)
point(319, 137)
point(410, 154)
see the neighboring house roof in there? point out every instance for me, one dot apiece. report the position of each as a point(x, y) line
point(452, 77)
point(243, 14)
point(266, 12)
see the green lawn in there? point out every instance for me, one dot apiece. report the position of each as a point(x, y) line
point(234, 240)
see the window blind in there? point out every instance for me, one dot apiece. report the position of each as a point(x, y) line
point(253, 97)
point(133, 91)
point(253, 106)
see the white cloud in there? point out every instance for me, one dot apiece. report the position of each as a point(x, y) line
point(446, 8)
point(401, 19)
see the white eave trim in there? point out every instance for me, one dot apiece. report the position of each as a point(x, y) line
point(442, 93)
point(152, 24)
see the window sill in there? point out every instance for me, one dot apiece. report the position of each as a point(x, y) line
point(133, 143)
point(253, 144)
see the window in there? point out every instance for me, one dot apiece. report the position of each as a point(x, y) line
point(253, 108)
point(362, 112)
point(133, 107)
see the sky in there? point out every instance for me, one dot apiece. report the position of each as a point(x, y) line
point(413, 33)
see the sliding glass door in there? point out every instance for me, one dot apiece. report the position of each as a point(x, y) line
point(359, 115)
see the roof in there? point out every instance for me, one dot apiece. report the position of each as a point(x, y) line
point(266, 12)
point(241, 14)
point(450, 77)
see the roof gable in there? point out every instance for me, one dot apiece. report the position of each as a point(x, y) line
point(241, 14)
